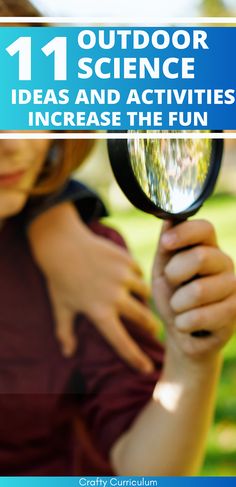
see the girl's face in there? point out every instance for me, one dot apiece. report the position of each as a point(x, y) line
point(21, 162)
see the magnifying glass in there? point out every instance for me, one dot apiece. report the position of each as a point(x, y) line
point(169, 178)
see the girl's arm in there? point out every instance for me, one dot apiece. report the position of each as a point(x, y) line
point(168, 437)
point(90, 275)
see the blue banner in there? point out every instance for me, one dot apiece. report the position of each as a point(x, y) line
point(116, 481)
point(117, 78)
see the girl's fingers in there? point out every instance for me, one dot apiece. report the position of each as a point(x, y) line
point(200, 260)
point(211, 317)
point(198, 346)
point(138, 286)
point(64, 323)
point(189, 233)
point(162, 255)
point(126, 259)
point(120, 340)
point(203, 291)
point(65, 331)
point(137, 269)
point(137, 312)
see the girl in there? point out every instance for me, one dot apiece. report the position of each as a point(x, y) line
point(140, 424)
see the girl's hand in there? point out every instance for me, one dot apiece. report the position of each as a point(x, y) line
point(194, 288)
point(89, 274)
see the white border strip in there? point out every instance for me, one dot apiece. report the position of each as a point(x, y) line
point(117, 135)
point(119, 20)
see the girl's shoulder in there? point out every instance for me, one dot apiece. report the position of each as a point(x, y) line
point(87, 202)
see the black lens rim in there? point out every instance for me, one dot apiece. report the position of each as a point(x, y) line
point(123, 172)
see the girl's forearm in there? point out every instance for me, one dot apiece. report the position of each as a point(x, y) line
point(169, 435)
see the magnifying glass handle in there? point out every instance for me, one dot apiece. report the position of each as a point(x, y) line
point(199, 333)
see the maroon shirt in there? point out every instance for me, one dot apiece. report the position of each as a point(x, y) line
point(59, 416)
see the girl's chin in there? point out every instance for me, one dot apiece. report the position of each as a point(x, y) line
point(11, 203)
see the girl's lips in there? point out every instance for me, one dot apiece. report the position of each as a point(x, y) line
point(11, 179)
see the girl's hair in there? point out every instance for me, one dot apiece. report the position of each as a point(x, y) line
point(18, 8)
point(67, 154)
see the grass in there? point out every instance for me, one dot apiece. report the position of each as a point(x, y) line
point(141, 232)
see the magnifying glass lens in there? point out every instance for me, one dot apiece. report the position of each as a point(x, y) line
point(171, 172)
